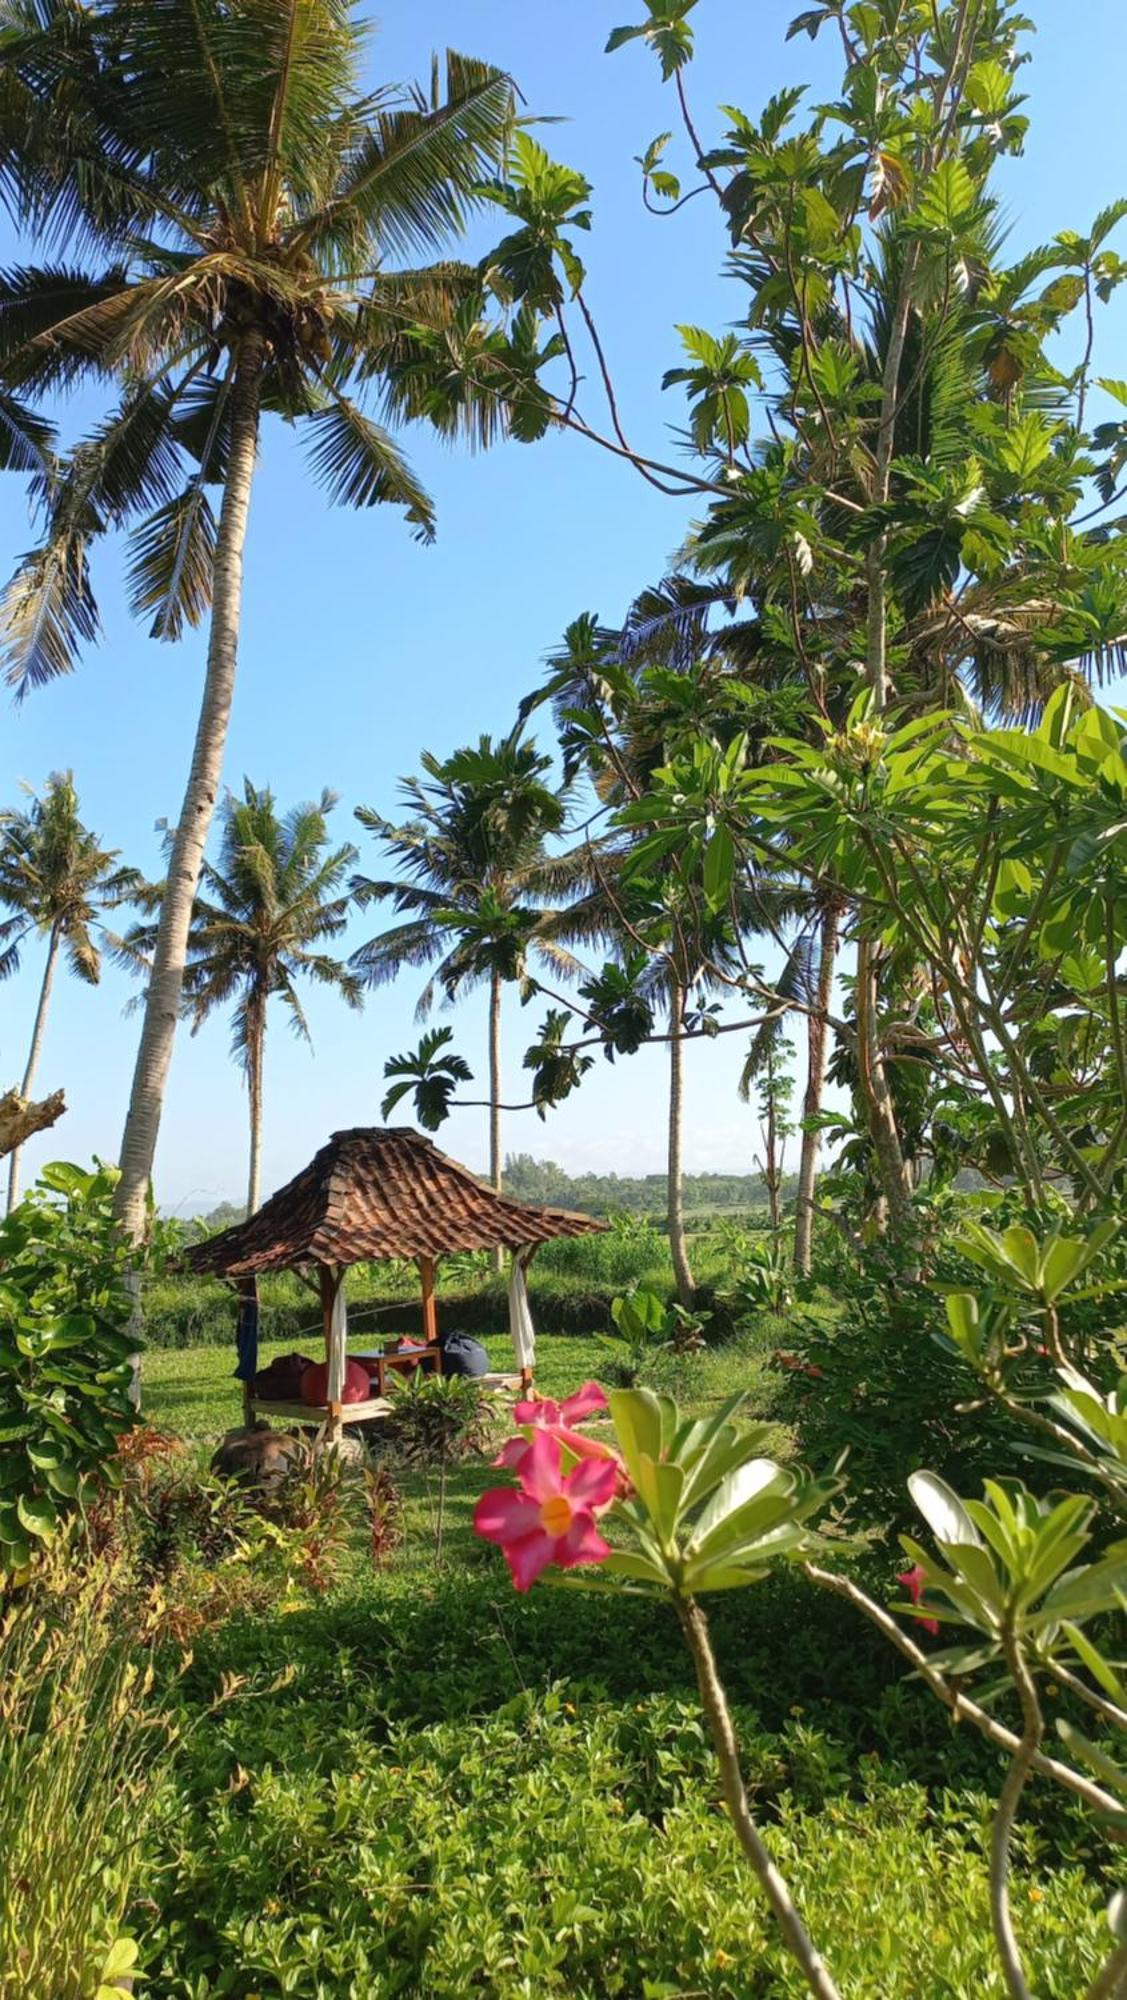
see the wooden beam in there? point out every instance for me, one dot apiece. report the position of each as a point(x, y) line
point(430, 1309)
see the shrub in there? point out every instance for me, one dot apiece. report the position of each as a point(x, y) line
point(436, 1420)
point(64, 1355)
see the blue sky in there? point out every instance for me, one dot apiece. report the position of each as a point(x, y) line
point(360, 648)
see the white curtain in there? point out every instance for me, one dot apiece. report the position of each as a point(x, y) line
point(520, 1316)
point(338, 1341)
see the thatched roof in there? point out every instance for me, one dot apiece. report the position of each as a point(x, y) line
point(378, 1192)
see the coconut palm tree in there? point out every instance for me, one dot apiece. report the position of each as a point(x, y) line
point(475, 884)
point(55, 878)
point(275, 895)
point(623, 701)
point(242, 203)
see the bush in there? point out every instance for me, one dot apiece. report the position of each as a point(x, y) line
point(64, 1355)
point(543, 1773)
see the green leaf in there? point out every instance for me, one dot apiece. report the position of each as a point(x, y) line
point(942, 1509)
point(37, 1514)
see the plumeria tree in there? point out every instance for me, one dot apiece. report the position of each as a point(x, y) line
point(676, 1508)
point(898, 482)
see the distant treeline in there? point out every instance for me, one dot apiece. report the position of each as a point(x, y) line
point(639, 1194)
point(592, 1194)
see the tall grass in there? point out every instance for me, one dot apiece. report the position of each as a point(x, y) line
point(82, 1747)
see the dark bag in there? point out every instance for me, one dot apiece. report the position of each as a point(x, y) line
point(463, 1355)
point(281, 1381)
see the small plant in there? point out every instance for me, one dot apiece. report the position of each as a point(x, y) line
point(646, 1327)
point(761, 1279)
point(385, 1514)
point(437, 1420)
point(316, 1507)
point(64, 1356)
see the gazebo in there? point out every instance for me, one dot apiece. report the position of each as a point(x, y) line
point(375, 1193)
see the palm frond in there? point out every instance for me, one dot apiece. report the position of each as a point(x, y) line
point(417, 170)
point(360, 465)
point(27, 441)
point(172, 557)
point(798, 980)
point(47, 613)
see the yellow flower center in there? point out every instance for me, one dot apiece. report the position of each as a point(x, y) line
point(555, 1515)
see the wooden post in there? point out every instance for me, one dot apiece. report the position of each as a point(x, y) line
point(330, 1281)
point(248, 1295)
point(430, 1310)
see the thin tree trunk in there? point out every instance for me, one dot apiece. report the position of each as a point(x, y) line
point(495, 1096)
point(675, 1191)
point(817, 1035)
point(33, 1055)
point(892, 1169)
point(774, 1177)
point(162, 1005)
point(256, 1042)
point(714, 1702)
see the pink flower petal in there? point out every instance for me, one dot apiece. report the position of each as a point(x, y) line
point(528, 1556)
point(593, 1484)
point(539, 1410)
point(591, 1396)
point(502, 1515)
point(581, 1544)
point(539, 1472)
point(512, 1452)
point(913, 1581)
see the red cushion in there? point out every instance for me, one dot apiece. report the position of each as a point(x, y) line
point(315, 1384)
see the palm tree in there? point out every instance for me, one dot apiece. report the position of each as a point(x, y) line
point(55, 877)
point(243, 197)
point(621, 723)
point(271, 900)
point(475, 878)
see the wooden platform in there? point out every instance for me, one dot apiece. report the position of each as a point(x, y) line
point(317, 1413)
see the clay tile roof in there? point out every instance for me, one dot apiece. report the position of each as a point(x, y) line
point(377, 1192)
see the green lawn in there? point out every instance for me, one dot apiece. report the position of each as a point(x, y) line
point(192, 1391)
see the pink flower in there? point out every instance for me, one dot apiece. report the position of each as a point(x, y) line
point(542, 1410)
point(557, 1419)
point(549, 1517)
point(913, 1581)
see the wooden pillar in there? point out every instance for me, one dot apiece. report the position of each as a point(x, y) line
point(430, 1309)
point(247, 1289)
point(331, 1280)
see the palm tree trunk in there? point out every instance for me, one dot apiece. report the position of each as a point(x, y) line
point(495, 1095)
point(675, 1192)
point(816, 1039)
point(256, 1045)
point(33, 1056)
point(162, 1005)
